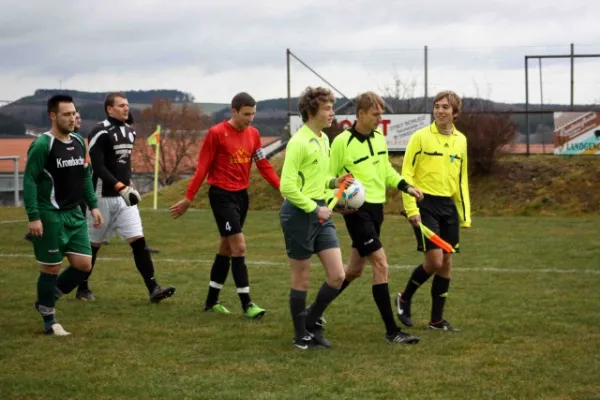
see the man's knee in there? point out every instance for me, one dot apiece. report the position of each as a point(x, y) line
point(336, 278)
point(379, 265)
point(237, 245)
point(434, 260)
point(224, 248)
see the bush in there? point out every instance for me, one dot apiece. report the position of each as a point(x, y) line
point(487, 134)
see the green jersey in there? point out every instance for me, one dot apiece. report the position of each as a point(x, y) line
point(57, 175)
point(305, 176)
point(366, 158)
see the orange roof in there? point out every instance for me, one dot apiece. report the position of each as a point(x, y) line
point(19, 147)
point(14, 147)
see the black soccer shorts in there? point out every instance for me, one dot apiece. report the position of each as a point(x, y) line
point(229, 209)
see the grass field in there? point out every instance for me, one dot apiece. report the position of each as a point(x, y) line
point(525, 293)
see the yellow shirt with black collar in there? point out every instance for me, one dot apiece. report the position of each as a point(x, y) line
point(437, 164)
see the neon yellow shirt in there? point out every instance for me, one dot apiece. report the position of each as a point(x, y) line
point(366, 158)
point(305, 174)
point(437, 164)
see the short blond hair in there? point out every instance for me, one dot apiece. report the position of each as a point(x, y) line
point(453, 99)
point(366, 101)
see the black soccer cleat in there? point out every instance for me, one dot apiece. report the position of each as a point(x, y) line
point(306, 343)
point(403, 310)
point(317, 335)
point(160, 293)
point(443, 325)
point(401, 337)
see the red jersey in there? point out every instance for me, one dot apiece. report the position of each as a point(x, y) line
point(226, 156)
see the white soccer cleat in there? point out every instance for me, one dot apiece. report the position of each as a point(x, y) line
point(57, 330)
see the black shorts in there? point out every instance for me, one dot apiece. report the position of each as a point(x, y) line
point(364, 227)
point(229, 209)
point(440, 215)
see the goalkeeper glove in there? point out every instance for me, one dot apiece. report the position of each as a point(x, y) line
point(131, 196)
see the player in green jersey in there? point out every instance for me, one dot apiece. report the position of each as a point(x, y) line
point(56, 180)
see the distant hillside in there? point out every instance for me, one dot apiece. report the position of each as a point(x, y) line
point(30, 111)
point(272, 114)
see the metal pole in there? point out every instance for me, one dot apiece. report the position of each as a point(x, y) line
point(425, 97)
point(542, 103)
point(527, 102)
point(572, 75)
point(17, 202)
point(319, 76)
point(289, 81)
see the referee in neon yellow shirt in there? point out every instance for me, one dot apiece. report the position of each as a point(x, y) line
point(436, 162)
point(305, 218)
point(362, 151)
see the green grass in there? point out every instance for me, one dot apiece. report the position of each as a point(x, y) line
point(518, 186)
point(525, 292)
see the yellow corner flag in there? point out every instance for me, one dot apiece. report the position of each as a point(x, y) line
point(154, 140)
point(155, 137)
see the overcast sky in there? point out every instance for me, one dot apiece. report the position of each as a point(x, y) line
point(214, 49)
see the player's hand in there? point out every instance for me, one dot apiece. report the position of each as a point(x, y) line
point(36, 228)
point(178, 209)
point(415, 220)
point(341, 179)
point(416, 193)
point(344, 210)
point(98, 218)
point(131, 196)
point(324, 213)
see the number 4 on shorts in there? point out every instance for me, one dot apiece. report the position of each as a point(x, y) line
point(227, 226)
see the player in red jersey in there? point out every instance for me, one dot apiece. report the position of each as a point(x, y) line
point(226, 157)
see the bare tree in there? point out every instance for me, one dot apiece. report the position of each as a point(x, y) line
point(182, 128)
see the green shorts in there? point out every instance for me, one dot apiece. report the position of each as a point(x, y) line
point(303, 233)
point(64, 232)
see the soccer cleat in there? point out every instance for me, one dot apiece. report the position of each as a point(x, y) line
point(402, 337)
point(306, 343)
point(403, 309)
point(56, 330)
point(85, 295)
point(317, 335)
point(443, 325)
point(254, 312)
point(217, 308)
point(160, 293)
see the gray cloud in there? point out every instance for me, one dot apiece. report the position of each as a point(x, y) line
point(138, 39)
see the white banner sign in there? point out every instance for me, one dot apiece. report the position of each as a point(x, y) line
point(397, 128)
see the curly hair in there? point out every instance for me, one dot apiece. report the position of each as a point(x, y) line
point(310, 100)
point(453, 99)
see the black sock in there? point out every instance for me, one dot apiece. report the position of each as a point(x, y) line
point(239, 270)
point(418, 277)
point(218, 275)
point(344, 286)
point(439, 292)
point(298, 312)
point(143, 262)
point(381, 295)
point(68, 279)
point(84, 284)
point(325, 296)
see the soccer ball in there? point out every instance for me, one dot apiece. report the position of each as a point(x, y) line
point(353, 196)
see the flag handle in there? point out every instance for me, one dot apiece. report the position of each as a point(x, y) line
point(156, 163)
